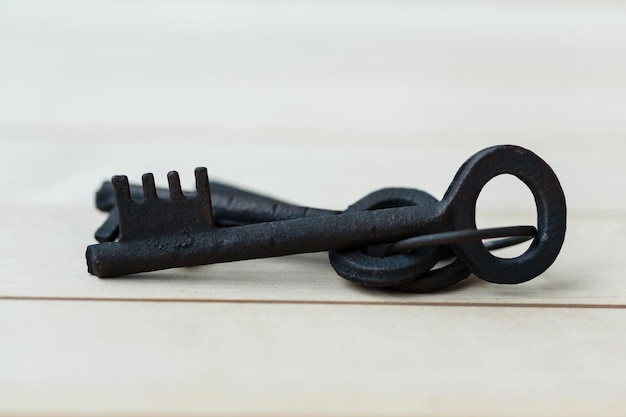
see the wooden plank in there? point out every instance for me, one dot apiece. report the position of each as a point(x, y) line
point(44, 257)
point(48, 218)
point(488, 66)
point(58, 167)
point(90, 358)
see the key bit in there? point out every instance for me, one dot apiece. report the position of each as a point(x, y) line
point(180, 215)
point(231, 206)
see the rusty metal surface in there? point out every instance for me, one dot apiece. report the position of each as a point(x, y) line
point(390, 238)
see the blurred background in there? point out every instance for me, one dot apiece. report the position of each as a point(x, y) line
point(390, 92)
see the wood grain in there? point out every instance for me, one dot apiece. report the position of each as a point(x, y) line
point(47, 260)
point(318, 103)
point(113, 358)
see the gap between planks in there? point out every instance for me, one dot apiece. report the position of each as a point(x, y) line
point(320, 302)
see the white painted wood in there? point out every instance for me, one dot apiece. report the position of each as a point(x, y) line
point(98, 358)
point(543, 67)
point(44, 257)
point(318, 103)
point(63, 167)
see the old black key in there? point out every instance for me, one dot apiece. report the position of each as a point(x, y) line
point(235, 207)
point(181, 231)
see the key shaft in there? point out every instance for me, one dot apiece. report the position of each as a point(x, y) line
point(262, 240)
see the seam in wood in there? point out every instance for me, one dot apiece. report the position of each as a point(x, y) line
point(322, 302)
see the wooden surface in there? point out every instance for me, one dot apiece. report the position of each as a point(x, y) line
point(318, 103)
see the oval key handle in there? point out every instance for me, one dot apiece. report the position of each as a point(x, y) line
point(459, 203)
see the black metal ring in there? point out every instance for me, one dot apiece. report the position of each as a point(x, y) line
point(358, 266)
point(437, 279)
point(457, 271)
point(459, 236)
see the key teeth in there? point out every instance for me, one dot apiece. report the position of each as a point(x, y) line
point(176, 192)
point(160, 216)
point(149, 188)
point(202, 182)
point(121, 189)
